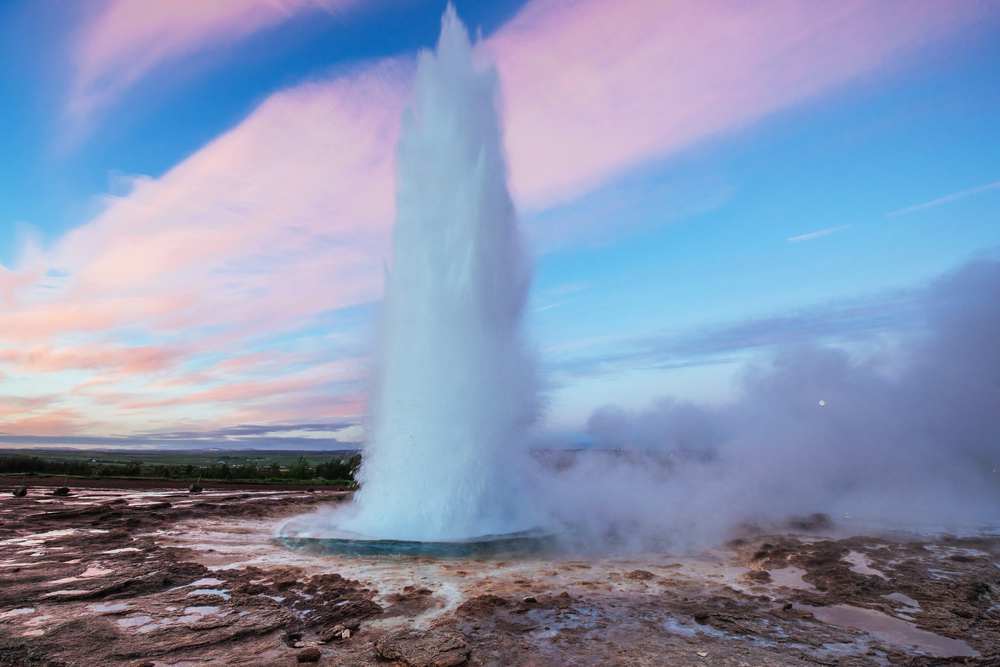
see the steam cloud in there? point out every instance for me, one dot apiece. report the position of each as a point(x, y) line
point(908, 436)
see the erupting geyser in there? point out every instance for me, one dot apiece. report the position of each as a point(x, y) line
point(455, 393)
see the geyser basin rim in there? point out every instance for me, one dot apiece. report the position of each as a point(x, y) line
point(523, 542)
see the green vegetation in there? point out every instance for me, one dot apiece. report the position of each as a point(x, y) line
point(275, 467)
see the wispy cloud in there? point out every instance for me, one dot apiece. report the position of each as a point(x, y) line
point(840, 321)
point(126, 39)
point(944, 200)
point(277, 436)
point(593, 87)
point(201, 288)
point(816, 235)
point(554, 305)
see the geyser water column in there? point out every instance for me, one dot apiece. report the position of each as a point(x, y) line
point(455, 391)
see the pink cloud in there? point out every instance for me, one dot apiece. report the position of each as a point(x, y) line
point(593, 87)
point(43, 358)
point(55, 422)
point(285, 216)
point(126, 39)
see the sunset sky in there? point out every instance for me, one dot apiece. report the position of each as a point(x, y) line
point(196, 198)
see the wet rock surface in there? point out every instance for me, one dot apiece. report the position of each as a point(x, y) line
point(123, 577)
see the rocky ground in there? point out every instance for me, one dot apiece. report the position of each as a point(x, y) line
point(160, 577)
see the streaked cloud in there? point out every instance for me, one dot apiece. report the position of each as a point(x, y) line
point(944, 200)
point(244, 437)
point(839, 322)
point(594, 87)
point(126, 39)
point(816, 235)
point(166, 298)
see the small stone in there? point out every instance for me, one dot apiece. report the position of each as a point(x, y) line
point(788, 606)
point(144, 663)
point(299, 645)
point(639, 575)
point(702, 654)
point(346, 634)
point(310, 654)
point(529, 600)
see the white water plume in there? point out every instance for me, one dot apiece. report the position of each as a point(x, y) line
point(456, 392)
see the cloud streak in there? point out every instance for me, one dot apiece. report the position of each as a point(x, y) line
point(127, 39)
point(844, 322)
point(816, 235)
point(278, 436)
point(944, 200)
point(593, 88)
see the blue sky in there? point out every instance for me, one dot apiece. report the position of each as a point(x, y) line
point(782, 209)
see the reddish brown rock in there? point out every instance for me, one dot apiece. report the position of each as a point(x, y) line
point(311, 654)
point(418, 649)
point(480, 606)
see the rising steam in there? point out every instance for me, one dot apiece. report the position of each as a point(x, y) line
point(908, 437)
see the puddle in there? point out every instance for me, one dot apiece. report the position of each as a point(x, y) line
point(889, 629)
point(675, 627)
point(96, 572)
point(17, 612)
point(149, 627)
point(908, 601)
point(118, 606)
point(940, 574)
point(860, 564)
point(201, 610)
point(210, 581)
point(134, 621)
point(210, 591)
point(790, 577)
point(67, 592)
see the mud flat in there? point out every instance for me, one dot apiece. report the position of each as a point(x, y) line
point(158, 577)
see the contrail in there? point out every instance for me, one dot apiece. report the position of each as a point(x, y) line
point(944, 200)
point(814, 235)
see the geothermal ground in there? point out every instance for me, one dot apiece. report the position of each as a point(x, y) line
point(119, 576)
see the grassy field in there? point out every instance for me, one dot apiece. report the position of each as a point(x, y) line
point(275, 466)
point(199, 458)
